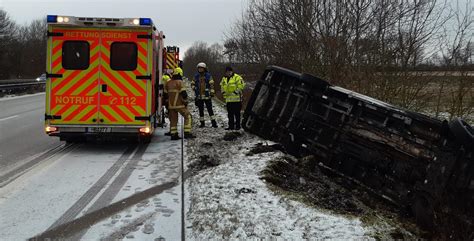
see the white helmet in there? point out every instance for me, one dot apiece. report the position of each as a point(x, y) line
point(202, 65)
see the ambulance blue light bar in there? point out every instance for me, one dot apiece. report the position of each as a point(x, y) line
point(57, 19)
point(145, 21)
point(52, 18)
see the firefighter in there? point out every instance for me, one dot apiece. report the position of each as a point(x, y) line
point(164, 80)
point(175, 94)
point(232, 86)
point(203, 86)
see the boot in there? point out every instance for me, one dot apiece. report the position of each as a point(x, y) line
point(203, 124)
point(168, 133)
point(175, 137)
point(189, 136)
point(214, 123)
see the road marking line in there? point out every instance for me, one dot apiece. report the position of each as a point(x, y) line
point(7, 118)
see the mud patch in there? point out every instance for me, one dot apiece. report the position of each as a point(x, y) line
point(286, 173)
point(303, 180)
point(204, 162)
point(245, 191)
point(207, 145)
point(232, 136)
point(264, 148)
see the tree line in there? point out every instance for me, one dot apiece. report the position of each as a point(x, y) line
point(22, 48)
point(417, 54)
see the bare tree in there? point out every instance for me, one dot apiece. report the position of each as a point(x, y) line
point(7, 29)
point(22, 48)
point(371, 46)
point(456, 88)
point(201, 52)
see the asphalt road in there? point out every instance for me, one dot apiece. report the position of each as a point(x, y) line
point(21, 129)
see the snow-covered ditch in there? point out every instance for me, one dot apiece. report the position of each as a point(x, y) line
point(228, 199)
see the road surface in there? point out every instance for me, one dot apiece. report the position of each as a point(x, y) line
point(83, 191)
point(22, 129)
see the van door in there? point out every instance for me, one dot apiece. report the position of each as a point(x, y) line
point(125, 77)
point(73, 67)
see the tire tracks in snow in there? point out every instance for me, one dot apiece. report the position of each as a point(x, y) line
point(109, 194)
point(19, 171)
point(68, 230)
point(85, 199)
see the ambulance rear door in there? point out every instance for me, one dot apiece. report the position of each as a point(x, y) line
point(125, 96)
point(73, 70)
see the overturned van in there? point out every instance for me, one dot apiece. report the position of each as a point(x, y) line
point(417, 162)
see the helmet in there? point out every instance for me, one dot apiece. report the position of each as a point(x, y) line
point(178, 71)
point(201, 65)
point(165, 77)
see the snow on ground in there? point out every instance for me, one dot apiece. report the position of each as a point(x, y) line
point(225, 197)
point(230, 201)
point(30, 204)
point(157, 217)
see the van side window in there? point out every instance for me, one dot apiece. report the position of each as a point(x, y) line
point(75, 55)
point(123, 56)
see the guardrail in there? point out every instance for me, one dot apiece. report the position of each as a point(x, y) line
point(17, 88)
point(420, 163)
point(16, 81)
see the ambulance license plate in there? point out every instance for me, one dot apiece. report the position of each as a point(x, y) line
point(100, 129)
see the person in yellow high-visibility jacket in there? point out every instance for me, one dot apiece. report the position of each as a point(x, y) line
point(232, 86)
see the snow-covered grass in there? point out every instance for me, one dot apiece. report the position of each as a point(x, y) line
point(230, 201)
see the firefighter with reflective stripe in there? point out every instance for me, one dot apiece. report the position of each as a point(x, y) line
point(232, 86)
point(176, 95)
point(203, 86)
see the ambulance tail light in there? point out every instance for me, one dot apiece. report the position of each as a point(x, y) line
point(145, 130)
point(145, 21)
point(49, 129)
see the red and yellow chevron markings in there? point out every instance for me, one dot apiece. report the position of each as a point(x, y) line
point(74, 96)
point(77, 96)
point(171, 62)
point(126, 96)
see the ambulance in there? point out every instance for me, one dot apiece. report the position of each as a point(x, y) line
point(103, 78)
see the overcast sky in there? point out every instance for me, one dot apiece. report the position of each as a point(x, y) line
point(182, 21)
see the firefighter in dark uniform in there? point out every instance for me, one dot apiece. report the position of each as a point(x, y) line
point(203, 86)
point(176, 96)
